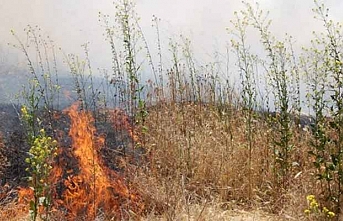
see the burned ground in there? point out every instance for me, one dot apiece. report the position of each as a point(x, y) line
point(118, 147)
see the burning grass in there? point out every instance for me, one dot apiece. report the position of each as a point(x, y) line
point(201, 145)
point(95, 186)
point(194, 164)
point(83, 186)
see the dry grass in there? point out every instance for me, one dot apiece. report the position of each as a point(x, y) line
point(198, 155)
point(198, 169)
point(11, 211)
point(211, 211)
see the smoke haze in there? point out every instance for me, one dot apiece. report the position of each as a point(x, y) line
point(72, 23)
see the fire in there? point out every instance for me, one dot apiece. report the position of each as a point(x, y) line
point(95, 185)
point(25, 195)
point(14, 210)
point(88, 186)
point(121, 121)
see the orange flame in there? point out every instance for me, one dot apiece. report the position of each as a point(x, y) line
point(13, 210)
point(121, 121)
point(95, 185)
point(25, 195)
point(89, 186)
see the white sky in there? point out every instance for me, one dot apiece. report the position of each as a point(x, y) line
point(73, 22)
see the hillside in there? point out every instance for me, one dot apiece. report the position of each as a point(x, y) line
point(166, 135)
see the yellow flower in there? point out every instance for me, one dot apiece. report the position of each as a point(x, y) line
point(314, 204)
point(307, 211)
point(331, 214)
point(310, 197)
point(325, 210)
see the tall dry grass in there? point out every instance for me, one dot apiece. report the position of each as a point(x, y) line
point(208, 147)
point(198, 158)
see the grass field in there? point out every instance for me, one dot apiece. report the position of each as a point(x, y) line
point(189, 144)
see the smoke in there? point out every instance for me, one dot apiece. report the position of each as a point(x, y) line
point(72, 23)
